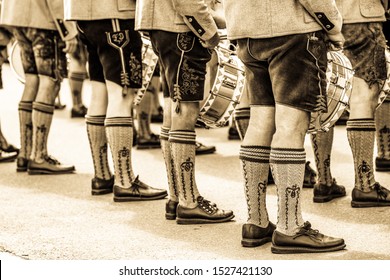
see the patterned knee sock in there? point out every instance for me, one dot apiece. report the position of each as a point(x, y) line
point(167, 154)
point(361, 137)
point(98, 144)
point(288, 169)
point(183, 155)
point(241, 118)
point(76, 80)
point(255, 166)
point(119, 131)
point(25, 123)
point(382, 123)
point(322, 143)
point(42, 116)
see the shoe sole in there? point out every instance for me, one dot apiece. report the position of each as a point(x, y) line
point(21, 169)
point(48, 172)
point(247, 242)
point(382, 169)
point(139, 198)
point(297, 250)
point(322, 199)
point(169, 216)
point(10, 159)
point(211, 151)
point(364, 204)
point(186, 221)
point(101, 192)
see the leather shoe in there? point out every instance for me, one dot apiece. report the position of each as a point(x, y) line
point(152, 143)
point(48, 166)
point(377, 197)
point(102, 186)
point(138, 191)
point(253, 235)
point(205, 212)
point(201, 149)
point(79, 112)
point(325, 193)
point(8, 154)
point(170, 209)
point(306, 240)
point(233, 134)
point(382, 164)
point(21, 164)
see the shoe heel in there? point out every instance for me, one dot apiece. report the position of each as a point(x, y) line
point(170, 216)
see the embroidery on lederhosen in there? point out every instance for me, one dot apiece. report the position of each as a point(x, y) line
point(185, 43)
point(119, 39)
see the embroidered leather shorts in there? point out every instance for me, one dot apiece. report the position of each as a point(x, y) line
point(287, 70)
point(365, 46)
point(183, 62)
point(42, 52)
point(103, 39)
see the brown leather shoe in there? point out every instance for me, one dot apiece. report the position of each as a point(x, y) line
point(204, 213)
point(253, 235)
point(170, 209)
point(49, 166)
point(306, 240)
point(9, 153)
point(138, 191)
point(201, 149)
point(382, 164)
point(101, 186)
point(21, 164)
point(377, 197)
point(324, 193)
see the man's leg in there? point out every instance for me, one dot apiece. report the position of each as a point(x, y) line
point(367, 192)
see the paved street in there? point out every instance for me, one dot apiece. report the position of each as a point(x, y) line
point(56, 218)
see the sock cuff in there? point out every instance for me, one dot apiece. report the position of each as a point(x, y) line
point(287, 156)
point(164, 133)
point(118, 121)
point(242, 113)
point(25, 106)
point(182, 137)
point(43, 107)
point(78, 76)
point(95, 120)
point(361, 124)
point(259, 154)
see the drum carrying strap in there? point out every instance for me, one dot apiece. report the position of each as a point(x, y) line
point(119, 39)
point(185, 43)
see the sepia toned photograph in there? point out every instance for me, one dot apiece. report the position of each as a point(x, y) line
point(215, 131)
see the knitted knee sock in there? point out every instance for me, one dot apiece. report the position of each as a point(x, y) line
point(76, 81)
point(255, 166)
point(382, 123)
point(167, 154)
point(98, 144)
point(42, 117)
point(183, 155)
point(322, 143)
point(361, 137)
point(241, 118)
point(25, 126)
point(119, 131)
point(288, 169)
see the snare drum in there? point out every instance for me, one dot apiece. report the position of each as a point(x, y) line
point(15, 62)
point(339, 75)
point(223, 87)
point(149, 62)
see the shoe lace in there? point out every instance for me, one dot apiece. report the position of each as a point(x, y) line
point(307, 230)
point(51, 160)
point(135, 185)
point(381, 191)
point(207, 205)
